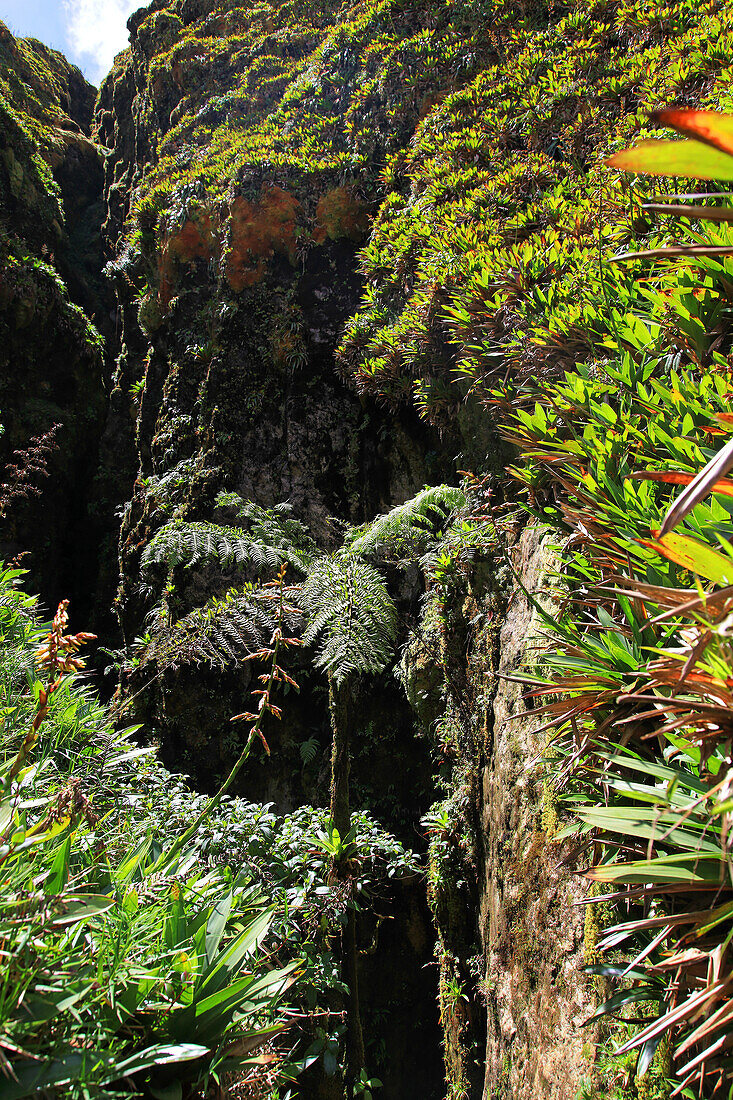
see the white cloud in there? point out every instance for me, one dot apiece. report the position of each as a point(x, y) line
point(96, 31)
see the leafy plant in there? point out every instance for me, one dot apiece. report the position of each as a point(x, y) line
point(225, 631)
point(409, 529)
point(270, 539)
point(707, 154)
point(638, 690)
point(121, 959)
point(337, 847)
point(309, 750)
point(350, 616)
point(365, 1085)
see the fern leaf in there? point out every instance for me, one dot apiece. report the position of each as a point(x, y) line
point(269, 539)
point(309, 750)
point(222, 632)
point(410, 528)
point(351, 618)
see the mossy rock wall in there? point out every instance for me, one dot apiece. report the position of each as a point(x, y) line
point(530, 926)
point(234, 284)
point(510, 950)
point(54, 314)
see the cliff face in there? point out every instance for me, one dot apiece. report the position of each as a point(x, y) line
point(53, 306)
point(251, 150)
point(251, 169)
point(315, 222)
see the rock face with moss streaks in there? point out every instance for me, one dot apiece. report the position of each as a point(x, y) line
point(53, 306)
point(325, 232)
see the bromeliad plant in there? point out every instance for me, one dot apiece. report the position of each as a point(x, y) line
point(639, 690)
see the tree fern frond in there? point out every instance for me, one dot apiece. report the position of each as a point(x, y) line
point(309, 750)
point(191, 543)
point(350, 617)
point(411, 527)
point(224, 631)
point(268, 539)
point(274, 527)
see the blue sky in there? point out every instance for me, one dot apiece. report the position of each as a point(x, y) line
point(89, 32)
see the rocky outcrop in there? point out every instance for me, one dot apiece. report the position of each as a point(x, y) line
point(234, 285)
point(532, 932)
point(53, 309)
point(511, 940)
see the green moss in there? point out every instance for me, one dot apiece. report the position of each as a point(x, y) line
point(38, 91)
point(319, 96)
point(550, 819)
point(597, 917)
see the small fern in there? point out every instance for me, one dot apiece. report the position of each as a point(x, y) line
point(274, 527)
point(350, 617)
point(410, 528)
point(309, 750)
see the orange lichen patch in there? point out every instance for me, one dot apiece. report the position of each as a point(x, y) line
point(340, 214)
point(195, 240)
point(258, 231)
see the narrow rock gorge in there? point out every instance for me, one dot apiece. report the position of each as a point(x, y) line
point(263, 288)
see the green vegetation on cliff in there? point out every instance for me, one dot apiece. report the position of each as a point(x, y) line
point(463, 147)
point(356, 251)
point(51, 306)
point(128, 957)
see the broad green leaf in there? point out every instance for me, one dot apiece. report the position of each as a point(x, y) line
point(692, 159)
point(59, 874)
point(132, 862)
point(646, 1054)
point(208, 1018)
point(623, 998)
point(82, 907)
point(131, 901)
point(229, 960)
point(33, 1078)
point(160, 1055)
point(695, 556)
point(663, 772)
point(174, 929)
point(274, 980)
point(647, 824)
point(216, 925)
point(135, 754)
point(53, 1003)
point(666, 869)
point(615, 970)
